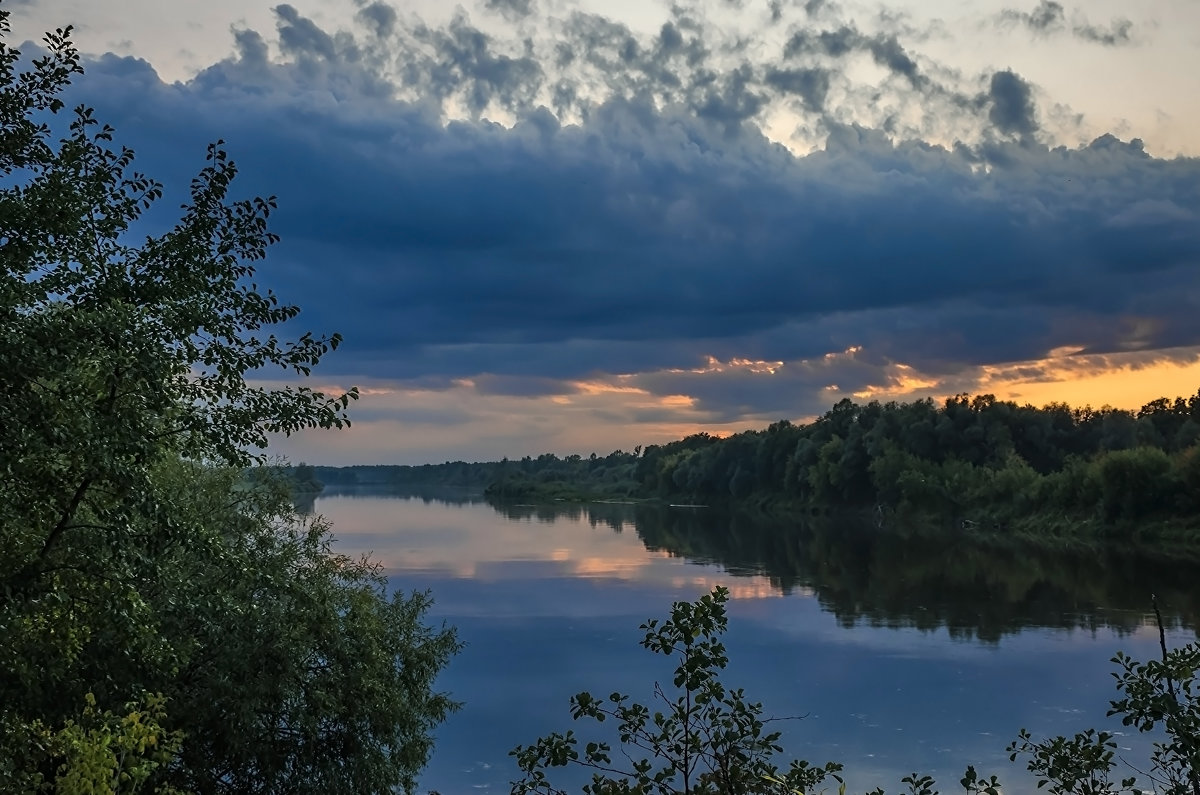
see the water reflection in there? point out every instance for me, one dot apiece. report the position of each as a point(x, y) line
point(875, 637)
point(557, 542)
point(981, 587)
point(429, 495)
point(976, 587)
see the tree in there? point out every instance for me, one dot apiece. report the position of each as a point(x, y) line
point(1136, 483)
point(118, 351)
point(138, 565)
point(334, 680)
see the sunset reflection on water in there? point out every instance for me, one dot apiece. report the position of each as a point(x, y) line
point(474, 542)
point(900, 656)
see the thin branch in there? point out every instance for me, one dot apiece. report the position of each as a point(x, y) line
point(64, 521)
point(1162, 642)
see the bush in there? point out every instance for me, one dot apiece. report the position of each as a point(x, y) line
point(707, 739)
point(1135, 483)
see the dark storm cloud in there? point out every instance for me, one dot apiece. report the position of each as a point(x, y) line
point(884, 48)
point(731, 99)
point(811, 85)
point(465, 60)
point(299, 35)
point(1011, 108)
point(673, 65)
point(652, 234)
point(251, 49)
point(379, 17)
point(887, 51)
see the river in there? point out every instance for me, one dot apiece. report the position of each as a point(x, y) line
point(890, 654)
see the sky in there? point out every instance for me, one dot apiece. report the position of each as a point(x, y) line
point(575, 226)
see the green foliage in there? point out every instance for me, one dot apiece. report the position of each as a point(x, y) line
point(1187, 467)
point(135, 556)
point(969, 463)
point(1135, 482)
point(1079, 765)
point(1074, 488)
point(322, 683)
point(303, 479)
point(545, 478)
point(120, 350)
point(705, 738)
point(1159, 696)
point(1165, 694)
point(102, 753)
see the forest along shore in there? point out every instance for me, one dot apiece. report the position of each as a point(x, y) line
point(974, 464)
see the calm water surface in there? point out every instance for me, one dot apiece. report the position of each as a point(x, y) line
point(901, 654)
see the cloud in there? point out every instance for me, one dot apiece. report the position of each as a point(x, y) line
point(1153, 212)
point(884, 48)
point(1118, 32)
point(811, 85)
point(519, 386)
point(465, 61)
point(1011, 108)
point(251, 49)
point(379, 17)
point(511, 9)
point(1050, 18)
point(300, 36)
point(649, 228)
point(1047, 17)
point(814, 8)
point(589, 59)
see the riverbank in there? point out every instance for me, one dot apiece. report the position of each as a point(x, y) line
point(1174, 536)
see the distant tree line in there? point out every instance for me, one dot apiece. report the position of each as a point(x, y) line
point(303, 479)
point(544, 477)
point(965, 460)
